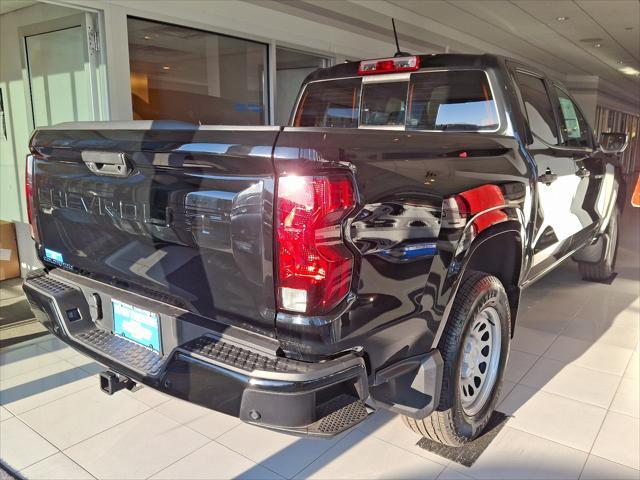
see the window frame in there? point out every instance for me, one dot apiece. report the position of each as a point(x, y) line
point(590, 138)
point(406, 76)
point(552, 101)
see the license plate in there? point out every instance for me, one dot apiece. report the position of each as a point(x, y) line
point(136, 324)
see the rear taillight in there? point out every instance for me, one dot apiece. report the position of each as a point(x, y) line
point(389, 65)
point(28, 190)
point(314, 265)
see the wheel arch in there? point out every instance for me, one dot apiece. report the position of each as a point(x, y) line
point(500, 255)
point(487, 253)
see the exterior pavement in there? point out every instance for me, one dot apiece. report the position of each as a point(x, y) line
point(572, 389)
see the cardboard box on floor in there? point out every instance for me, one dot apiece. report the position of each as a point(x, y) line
point(9, 261)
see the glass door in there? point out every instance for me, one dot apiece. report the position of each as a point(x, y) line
point(60, 60)
point(292, 67)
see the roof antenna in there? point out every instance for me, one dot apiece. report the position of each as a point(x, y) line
point(399, 53)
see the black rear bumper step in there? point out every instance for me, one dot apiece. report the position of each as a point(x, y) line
point(338, 415)
point(122, 350)
point(221, 368)
point(242, 358)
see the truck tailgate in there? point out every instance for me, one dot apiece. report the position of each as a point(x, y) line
point(179, 213)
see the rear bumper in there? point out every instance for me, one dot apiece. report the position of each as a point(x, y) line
point(216, 366)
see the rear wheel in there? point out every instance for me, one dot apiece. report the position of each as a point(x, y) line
point(603, 269)
point(474, 347)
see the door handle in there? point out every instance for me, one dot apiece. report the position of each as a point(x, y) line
point(583, 172)
point(548, 177)
point(111, 164)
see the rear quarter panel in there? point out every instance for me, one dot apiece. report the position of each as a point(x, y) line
point(408, 258)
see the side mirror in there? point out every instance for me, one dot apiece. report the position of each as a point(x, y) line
point(611, 142)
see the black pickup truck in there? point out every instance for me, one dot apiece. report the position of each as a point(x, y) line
point(370, 255)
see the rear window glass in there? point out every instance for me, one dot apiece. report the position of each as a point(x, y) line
point(384, 103)
point(442, 101)
point(330, 104)
point(454, 100)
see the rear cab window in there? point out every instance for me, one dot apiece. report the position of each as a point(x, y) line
point(451, 100)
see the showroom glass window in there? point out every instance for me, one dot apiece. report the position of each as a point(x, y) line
point(190, 75)
point(574, 126)
point(538, 107)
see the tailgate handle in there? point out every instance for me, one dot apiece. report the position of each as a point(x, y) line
point(111, 164)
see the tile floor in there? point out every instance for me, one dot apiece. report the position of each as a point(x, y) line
point(571, 389)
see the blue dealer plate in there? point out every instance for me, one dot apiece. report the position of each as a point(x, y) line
point(136, 324)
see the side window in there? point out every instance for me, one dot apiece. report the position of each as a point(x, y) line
point(574, 129)
point(538, 106)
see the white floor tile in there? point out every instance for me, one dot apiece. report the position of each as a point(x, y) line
point(605, 330)
point(598, 468)
point(627, 398)
point(56, 467)
point(39, 387)
point(4, 413)
point(136, 448)
point(579, 383)
point(214, 461)
point(610, 305)
point(599, 356)
point(389, 427)
point(367, 457)
point(556, 418)
point(81, 415)
point(279, 452)
point(514, 454)
point(149, 396)
point(542, 319)
point(451, 474)
point(619, 440)
point(633, 367)
point(203, 420)
point(86, 363)
point(531, 341)
point(505, 390)
point(50, 343)
point(57, 347)
point(21, 446)
point(518, 364)
point(23, 360)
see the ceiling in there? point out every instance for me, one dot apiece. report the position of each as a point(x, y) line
point(565, 37)
point(7, 6)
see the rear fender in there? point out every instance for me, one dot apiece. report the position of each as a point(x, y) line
point(484, 251)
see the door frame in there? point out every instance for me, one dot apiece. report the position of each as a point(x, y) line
point(93, 59)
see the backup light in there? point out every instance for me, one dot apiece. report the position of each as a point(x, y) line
point(389, 65)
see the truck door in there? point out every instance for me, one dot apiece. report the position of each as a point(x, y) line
point(593, 195)
point(555, 222)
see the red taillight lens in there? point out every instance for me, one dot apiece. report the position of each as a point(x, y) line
point(389, 65)
point(314, 265)
point(28, 190)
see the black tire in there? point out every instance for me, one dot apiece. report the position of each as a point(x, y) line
point(603, 269)
point(449, 424)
